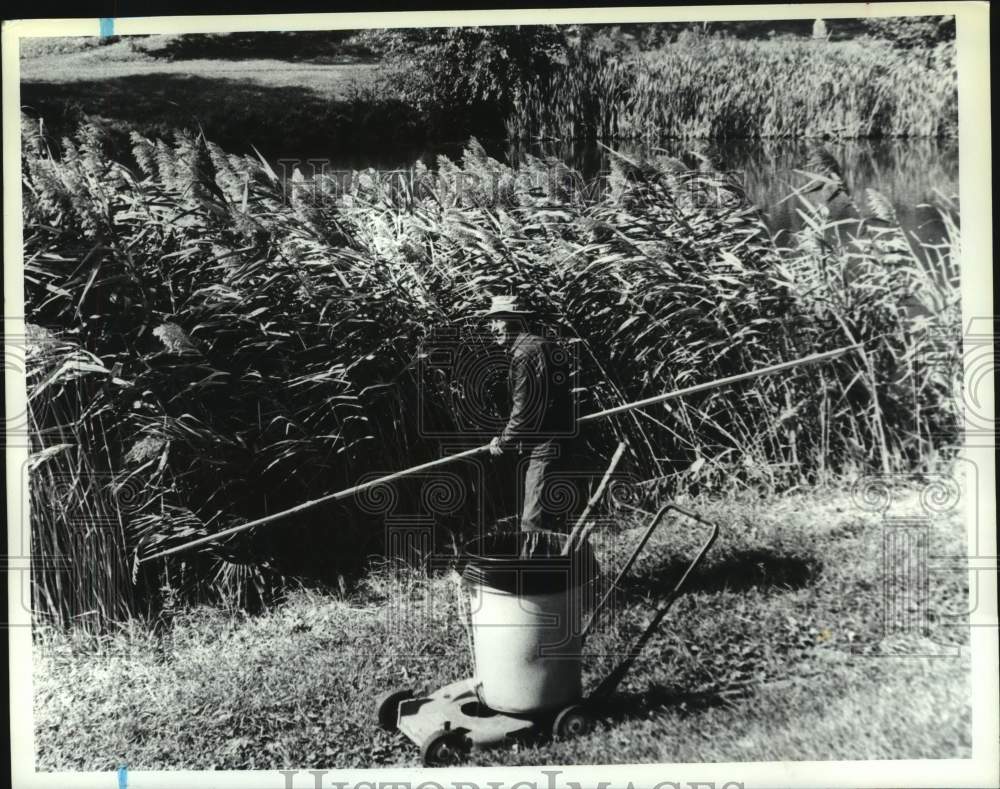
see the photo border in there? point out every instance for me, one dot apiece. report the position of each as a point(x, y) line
point(972, 30)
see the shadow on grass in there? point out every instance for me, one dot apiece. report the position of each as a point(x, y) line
point(322, 46)
point(736, 572)
point(234, 113)
point(656, 699)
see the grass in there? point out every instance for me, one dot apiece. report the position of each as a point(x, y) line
point(777, 652)
point(329, 80)
point(239, 101)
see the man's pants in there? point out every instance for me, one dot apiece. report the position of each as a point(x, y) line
point(538, 478)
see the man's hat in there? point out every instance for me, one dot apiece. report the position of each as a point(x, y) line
point(502, 306)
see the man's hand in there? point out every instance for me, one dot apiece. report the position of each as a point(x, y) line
point(495, 448)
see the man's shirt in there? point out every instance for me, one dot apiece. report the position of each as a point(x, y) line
point(540, 394)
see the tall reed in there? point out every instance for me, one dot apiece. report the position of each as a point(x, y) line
point(222, 345)
point(701, 87)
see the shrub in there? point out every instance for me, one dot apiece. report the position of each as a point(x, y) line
point(908, 32)
point(466, 79)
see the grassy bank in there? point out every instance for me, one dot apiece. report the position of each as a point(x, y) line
point(779, 652)
point(321, 103)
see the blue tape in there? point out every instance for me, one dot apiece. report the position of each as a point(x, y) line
point(123, 769)
point(107, 26)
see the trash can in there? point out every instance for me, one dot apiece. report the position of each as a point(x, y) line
point(525, 614)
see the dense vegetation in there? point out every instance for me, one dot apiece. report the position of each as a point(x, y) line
point(566, 82)
point(791, 89)
point(578, 84)
point(207, 348)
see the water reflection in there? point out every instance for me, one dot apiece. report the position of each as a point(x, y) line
point(907, 172)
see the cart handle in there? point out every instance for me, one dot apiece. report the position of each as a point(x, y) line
point(613, 680)
point(628, 566)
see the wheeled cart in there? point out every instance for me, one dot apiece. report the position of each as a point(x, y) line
point(449, 722)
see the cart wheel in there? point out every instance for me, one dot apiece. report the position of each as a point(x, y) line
point(444, 749)
point(571, 722)
point(388, 708)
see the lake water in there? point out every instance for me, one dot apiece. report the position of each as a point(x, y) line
point(910, 173)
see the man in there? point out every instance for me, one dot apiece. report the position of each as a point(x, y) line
point(541, 411)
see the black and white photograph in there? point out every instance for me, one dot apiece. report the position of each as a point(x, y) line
point(553, 399)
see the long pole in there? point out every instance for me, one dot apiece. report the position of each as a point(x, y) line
point(774, 368)
point(347, 492)
point(342, 494)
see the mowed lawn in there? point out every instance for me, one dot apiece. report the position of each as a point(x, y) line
point(269, 103)
point(330, 80)
point(778, 652)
